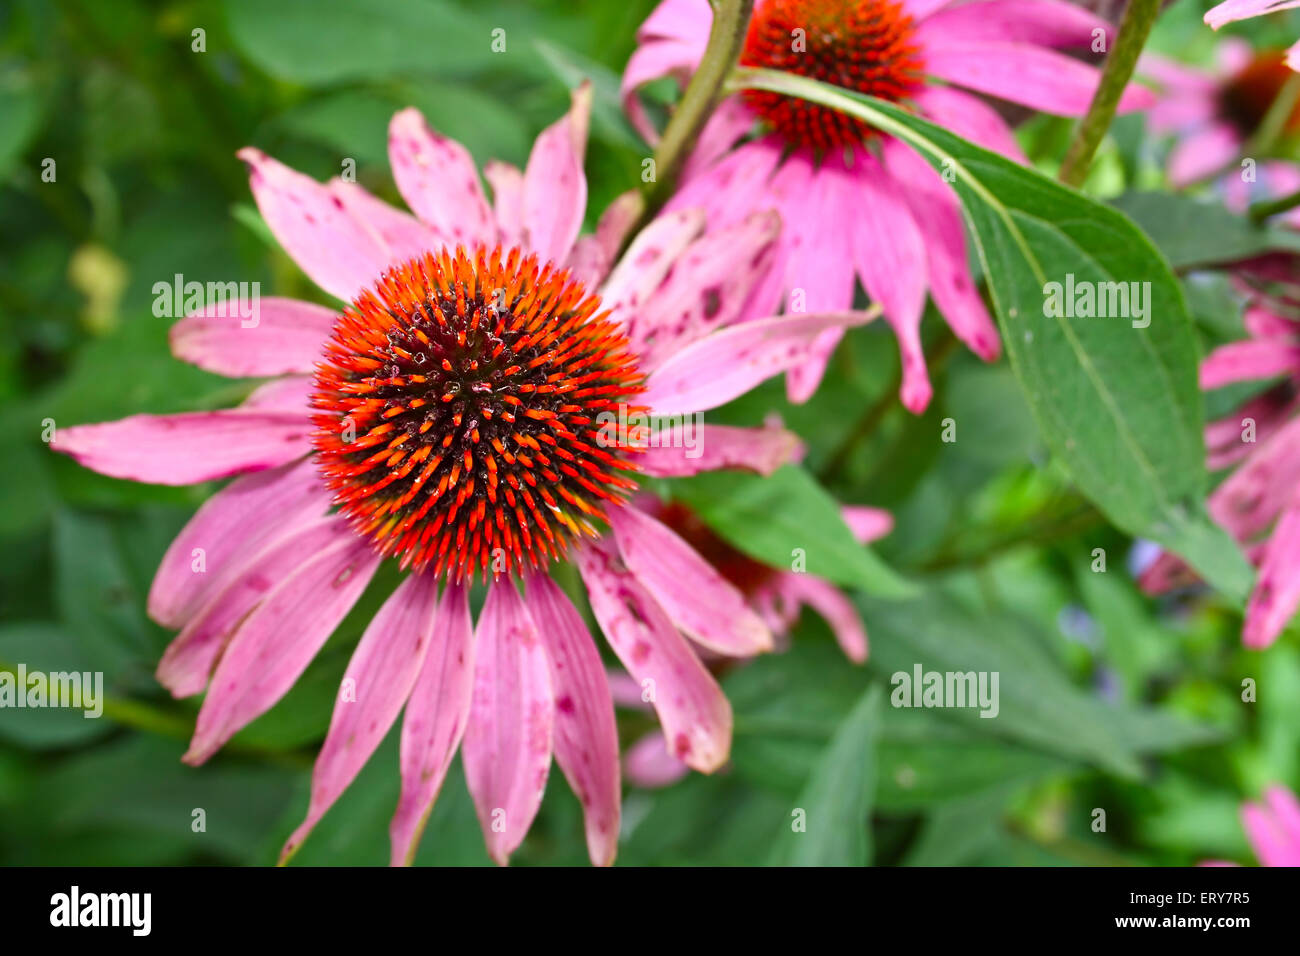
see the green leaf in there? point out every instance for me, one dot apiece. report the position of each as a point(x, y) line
point(1036, 703)
point(772, 518)
point(1116, 400)
point(1193, 233)
point(838, 796)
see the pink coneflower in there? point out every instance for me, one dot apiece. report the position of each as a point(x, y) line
point(1234, 10)
point(776, 594)
point(854, 201)
point(1213, 113)
point(453, 414)
point(1273, 828)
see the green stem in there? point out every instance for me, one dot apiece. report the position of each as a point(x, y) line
point(1262, 210)
point(1134, 29)
point(730, 22)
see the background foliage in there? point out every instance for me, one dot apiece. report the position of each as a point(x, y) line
point(1109, 699)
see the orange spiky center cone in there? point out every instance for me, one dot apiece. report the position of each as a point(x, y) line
point(863, 45)
point(461, 405)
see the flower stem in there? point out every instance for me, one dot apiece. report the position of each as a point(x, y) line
point(730, 22)
point(1262, 210)
point(1134, 29)
point(1274, 122)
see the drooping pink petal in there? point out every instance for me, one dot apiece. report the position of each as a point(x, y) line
point(714, 370)
point(401, 234)
point(818, 244)
point(690, 450)
point(1248, 360)
point(649, 765)
point(694, 713)
point(1031, 76)
point(288, 545)
point(670, 42)
point(1246, 502)
point(1277, 589)
point(314, 228)
point(707, 288)
point(889, 252)
point(834, 608)
point(1286, 810)
point(648, 260)
point(437, 712)
point(1204, 153)
point(1268, 836)
point(1262, 322)
point(507, 184)
point(276, 642)
point(937, 214)
point(1233, 10)
point(970, 117)
point(507, 745)
point(867, 524)
point(288, 393)
point(593, 256)
point(586, 739)
point(735, 186)
point(730, 121)
point(555, 186)
point(697, 599)
point(437, 178)
point(375, 686)
point(1052, 23)
point(228, 529)
point(189, 447)
point(270, 337)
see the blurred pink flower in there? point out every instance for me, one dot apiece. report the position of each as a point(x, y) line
point(509, 468)
point(1213, 113)
point(776, 594)
point(1233, 10)
point(1273, 828)
point(855, 202)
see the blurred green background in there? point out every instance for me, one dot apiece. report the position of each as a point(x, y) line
point(1109, 700)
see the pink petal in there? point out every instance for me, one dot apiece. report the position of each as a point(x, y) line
point(314, 228)
point(1204, 153)
point(555, 187)
point(708, 288)
point(1252, 496)
point(921, 9)
point(507, 184)
point(714, 370)
point(1262, 322)
point(693, 711)
point(670, 42)
point(649, 765)
point(437, 178)
point(1277, 589)
point(937, 214)
point(736, 186)
point(1286, 811)
point(228, 530)
point(970, 117)
point(289, 393)
point(1249, 360)
point(436, 714)
point(1273, 844)
point(375, 686)
point(586, 739)
point(712, 447)
point(889, 252)
point(1233, 10)
point(648, 260)
point(1053, 23)
point(819, 261)
point(404, 236)
point(593, 256)
point(697, 599)
point(286, 546)
point(278, 336)
point(730, 121)
point(276, 642)
point(837, 610)
point(507, 746)
point(190, 447)
point(1029, 75)
point(867, 524)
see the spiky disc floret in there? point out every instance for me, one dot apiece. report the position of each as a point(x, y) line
point(459, 409)
point(864, 45)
